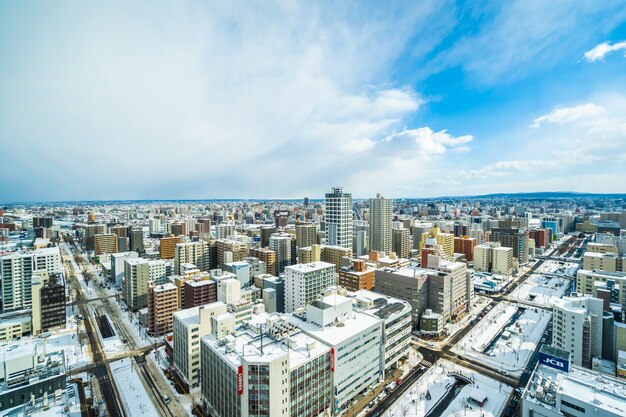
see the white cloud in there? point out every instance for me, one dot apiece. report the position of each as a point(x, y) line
point(430, 142)
point(600, 51)
point(569, 114)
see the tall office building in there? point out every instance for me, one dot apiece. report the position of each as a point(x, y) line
point(16, 271)
point(380, 219)
point(137, 273)
point(48, 310)
point(162, 303)
point(305, 282)
point(401, 242)
point(136, 240)
point(306, 234)
point(281, 244)
point(577, 328)
point(338, 218)
point(266, 231)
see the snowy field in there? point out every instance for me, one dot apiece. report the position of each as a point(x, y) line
point(567, 269)
point(502, 344)
point(540, 289)
point(134, 396)
point(446, 389)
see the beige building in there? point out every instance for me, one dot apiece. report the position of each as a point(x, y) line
point(196, 253)
point(268, 256)
point(401, 242)
point(189, 326)
point(306, 234)
point(230, 251)
point(324, 253)
point(105, 243)
point(380, 218)
point(491, 257)
point(602, 261)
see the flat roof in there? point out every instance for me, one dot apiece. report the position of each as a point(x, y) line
point(335, 335)
point(312, 266)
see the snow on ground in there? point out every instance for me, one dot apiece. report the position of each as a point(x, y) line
point(505, 346)
point(430, 390)
point(479, 304)
point(75, 354)
point(540, 289)
point(567, 269)
point(160, 360)
point(134, 395)
point(67, 406)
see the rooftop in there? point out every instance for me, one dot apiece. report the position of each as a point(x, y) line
point(312, 266)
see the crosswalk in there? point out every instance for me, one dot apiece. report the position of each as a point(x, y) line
point(426, 363)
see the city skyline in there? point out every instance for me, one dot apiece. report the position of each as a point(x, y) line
point(243, 101)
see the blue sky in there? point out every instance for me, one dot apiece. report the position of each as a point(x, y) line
point(137, 100)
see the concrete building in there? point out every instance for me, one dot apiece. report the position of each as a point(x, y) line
point(396, 317)
point(513, 238)
point(137, 273)
point(199, 292)
point(273, 294)
point(230, 251)
point(577, 328)
point(356, 345)
point(30, 372)
point(268, 369)
point(268, 256)
point(408, 284)
point(135, 240)
point(48, 308)
point(492, 257)
point(450, 288)
point(167, 247)
point(197, 253)
point(446, 240)
point(401, 242)
point(575, 391)
point(281, 244)
point(338, 218)
point(465, 245)
point(586, 279)
point(380, 218)
point(603, 261)
point(105, 243)
point(162, 303)
point(15, 324)
point(117, 265)
point(305, 282)
point(306, 234)
point(228, 290)
point(189, 326)
point(420, 230)
point(358, 276)
point(16, 272)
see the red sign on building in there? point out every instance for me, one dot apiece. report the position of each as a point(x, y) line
point(332, 359)
point(240, 380)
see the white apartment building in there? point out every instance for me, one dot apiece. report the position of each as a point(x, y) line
point(577, 328)
point(338, 218)
point(356, 345)
point(305, 282)
point(396, 316)
point(16, 271)
point(281, 244)
point(228, 290)
point(189, 326)
point(137, 273)
point(117, 265)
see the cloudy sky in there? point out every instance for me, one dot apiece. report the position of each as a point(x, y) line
point(167, 100)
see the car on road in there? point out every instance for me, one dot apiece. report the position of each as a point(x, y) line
point(166, 399)
point(398, 381)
